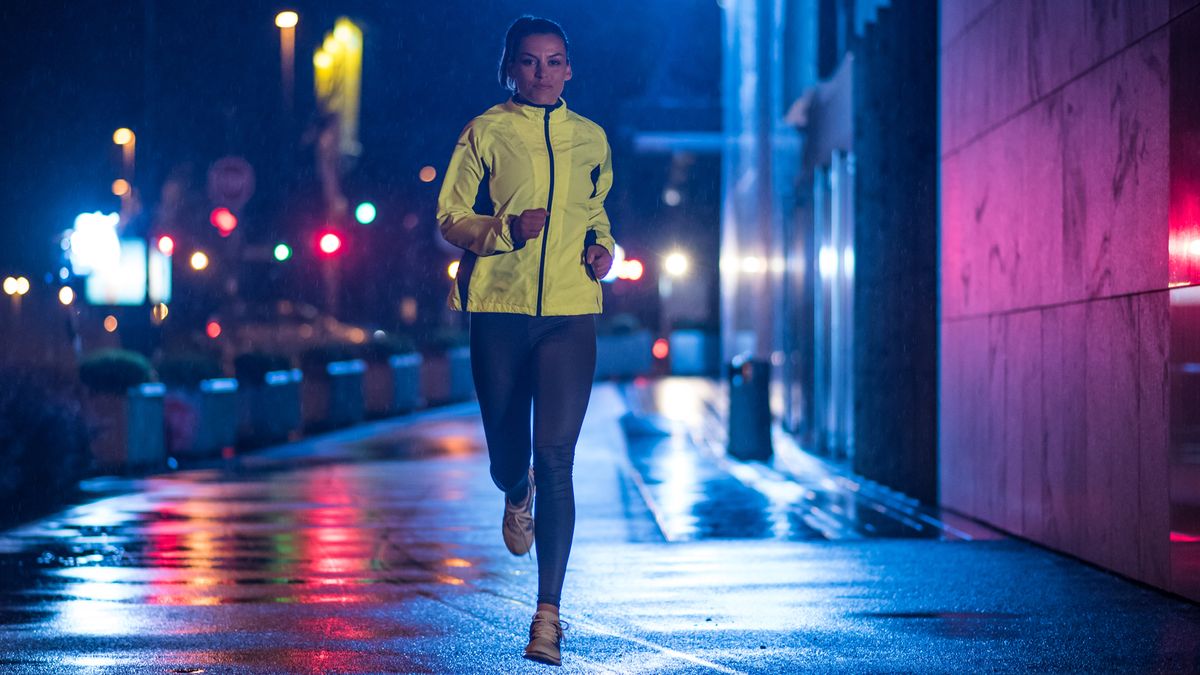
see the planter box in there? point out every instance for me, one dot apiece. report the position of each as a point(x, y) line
point(394, 387)
point(333, 397)
point(695, 352)
point(128, 428)
point(269, 411)
point(624, 356)
point(446, 378)
point(202, 422)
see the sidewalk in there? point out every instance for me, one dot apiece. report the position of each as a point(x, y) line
point(376, 550)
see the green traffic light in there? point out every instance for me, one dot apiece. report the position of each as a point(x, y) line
point(283, 252)
point(365, 213)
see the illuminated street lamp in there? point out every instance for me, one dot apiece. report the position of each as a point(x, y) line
point(286, 22)
point(676, 264)
point(128, 142)
point(199, 261)
point(66, 295)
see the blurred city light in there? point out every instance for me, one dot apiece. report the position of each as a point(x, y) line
point(365, 213)
point(64, 273)
point(213, 330)
point(330, 243)
point(753, 265)
point(159, 312)
point(827, 261)
point(1194, 247)
point(618, 264)
point(123, 136)
point(283, 252)
point(452, 270)
point(224, 220)
point(66, 295)
point(10, 286)
point(287, 19)
point(110, 323)
point(120, 187)
point(661, 348)
point(199, 261)
point(166, 245)
point(676, 264)
point(672, 197)
point(428, 174)
point(631, 270)
point(22, 285)
point(93, 243)
point(322, 60)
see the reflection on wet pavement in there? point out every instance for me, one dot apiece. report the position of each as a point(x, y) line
point(676, 444)
point(377, 550)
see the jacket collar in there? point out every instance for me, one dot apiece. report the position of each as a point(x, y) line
point(536, 111)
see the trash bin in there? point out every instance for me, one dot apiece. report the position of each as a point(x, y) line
point(749, 409)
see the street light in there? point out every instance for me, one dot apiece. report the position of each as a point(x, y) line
point(199, 261)
point(286, 22)
point(128, 142)
point(676, 264)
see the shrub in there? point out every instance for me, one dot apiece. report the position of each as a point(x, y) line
point(189, 369)
point(252, 367)
point(43, 446)
point(114, 371)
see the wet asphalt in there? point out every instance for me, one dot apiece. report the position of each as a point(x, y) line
point(377, 550)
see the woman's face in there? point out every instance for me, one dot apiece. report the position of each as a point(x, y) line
point(541, 68)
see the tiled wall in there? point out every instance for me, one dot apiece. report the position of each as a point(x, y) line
point(1056, 321)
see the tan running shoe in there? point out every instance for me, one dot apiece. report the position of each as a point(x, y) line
point(517, 526)
point(545, 638)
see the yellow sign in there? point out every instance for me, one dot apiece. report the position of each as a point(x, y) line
point(337, 73)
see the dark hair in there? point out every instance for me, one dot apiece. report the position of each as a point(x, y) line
point(518, 31)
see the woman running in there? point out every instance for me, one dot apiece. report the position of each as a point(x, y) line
point(529, 278)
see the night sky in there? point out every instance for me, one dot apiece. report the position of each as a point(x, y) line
point(198, 80)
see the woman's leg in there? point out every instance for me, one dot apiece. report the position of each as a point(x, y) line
point(564, 365)
point(500, 365)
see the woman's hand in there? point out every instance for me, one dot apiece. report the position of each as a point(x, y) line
point(528, 225)
point(600, 259)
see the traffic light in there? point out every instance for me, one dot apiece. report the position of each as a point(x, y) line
point(224, 220)
point(365, 213)
point(329, 244)
point(282, 252)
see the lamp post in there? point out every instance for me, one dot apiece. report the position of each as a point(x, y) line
point(286, 22)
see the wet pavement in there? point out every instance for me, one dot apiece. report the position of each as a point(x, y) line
point(377, 550)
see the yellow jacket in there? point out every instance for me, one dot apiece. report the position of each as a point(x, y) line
point(527, 156)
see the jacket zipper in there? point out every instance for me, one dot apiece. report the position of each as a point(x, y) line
point(546, 230)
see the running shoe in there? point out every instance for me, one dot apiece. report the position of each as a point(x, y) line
point(518, 522)
point(545, 639)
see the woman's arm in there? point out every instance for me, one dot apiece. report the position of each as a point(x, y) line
point(597, 216)
point(457, 220)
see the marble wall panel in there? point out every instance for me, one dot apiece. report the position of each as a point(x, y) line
point(1180, 6)
point(985, 75)
point(1023, 424)
point(1112, 526)
point(956, 15)
point(1065, 421)
point(1154, 508)
point(1098, 30)
point(1115, 175)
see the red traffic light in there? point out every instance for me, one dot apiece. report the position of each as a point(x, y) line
point(329, 243)
point(224, 220)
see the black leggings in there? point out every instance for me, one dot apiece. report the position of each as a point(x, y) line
point(547, 363)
